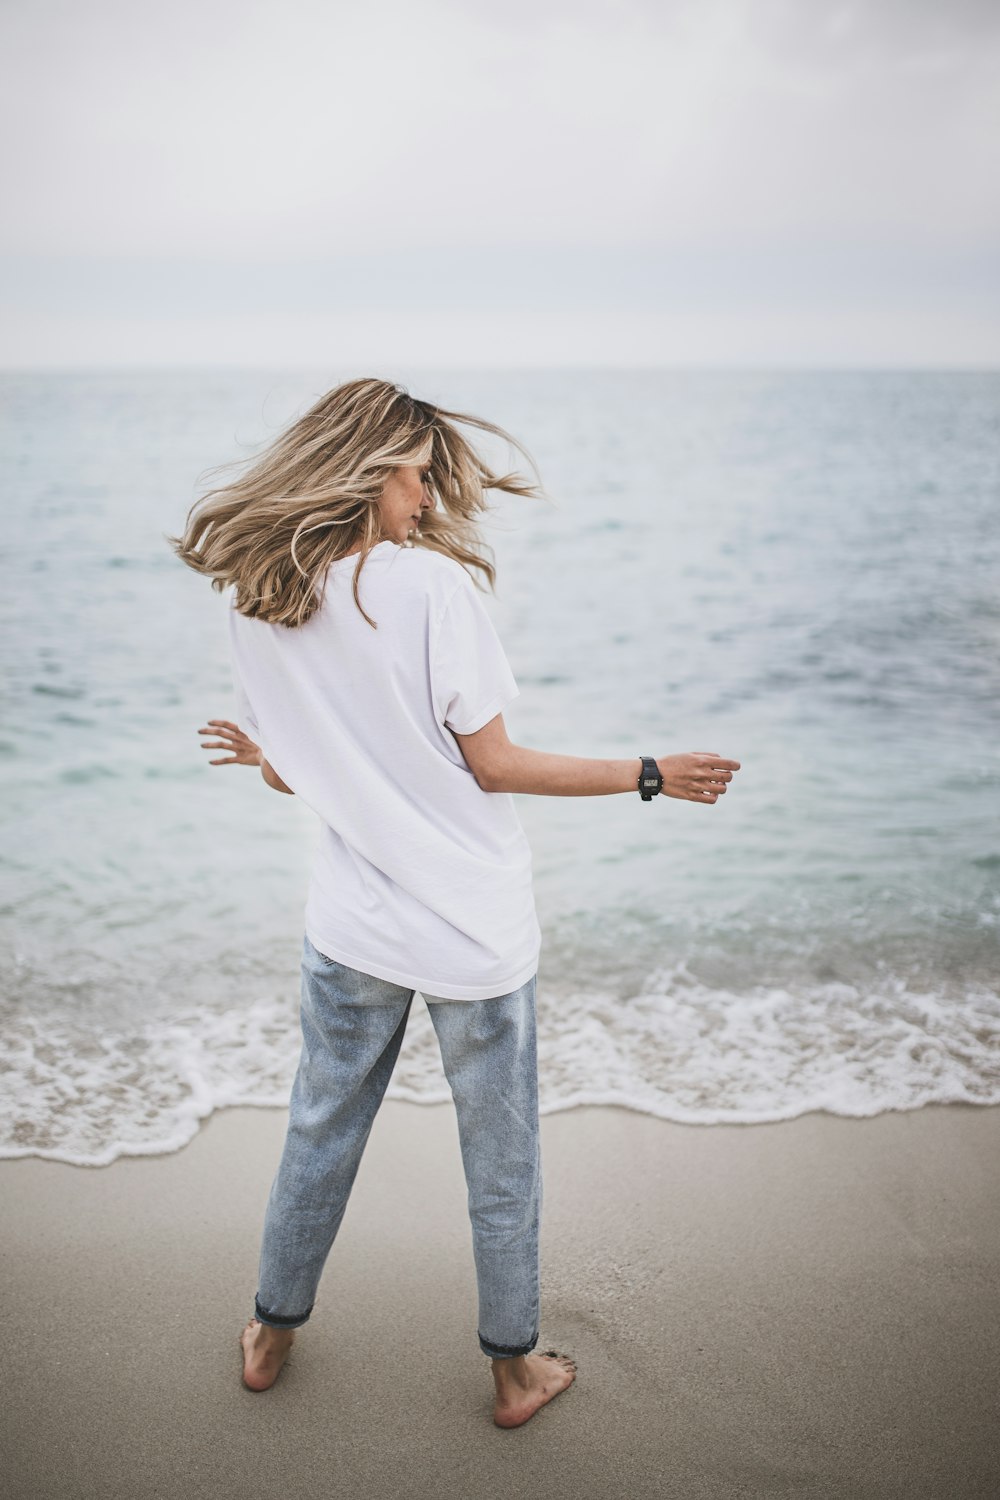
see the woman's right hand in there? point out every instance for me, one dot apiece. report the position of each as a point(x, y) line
point(243, 750)
point(699, 776)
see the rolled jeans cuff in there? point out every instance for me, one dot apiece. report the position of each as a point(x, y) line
point(275, 1320)
point(504, 1351)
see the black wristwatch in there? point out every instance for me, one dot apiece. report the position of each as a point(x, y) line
point(650, 781)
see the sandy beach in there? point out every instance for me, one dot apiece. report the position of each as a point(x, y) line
point(801, 1309)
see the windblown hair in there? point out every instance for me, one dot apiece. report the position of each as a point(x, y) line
point(312, 497)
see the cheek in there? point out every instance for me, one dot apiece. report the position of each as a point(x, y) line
point(394, 501)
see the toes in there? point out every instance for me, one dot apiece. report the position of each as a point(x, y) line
point(564, 1359)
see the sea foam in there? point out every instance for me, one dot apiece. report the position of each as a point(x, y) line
point(675, 1049)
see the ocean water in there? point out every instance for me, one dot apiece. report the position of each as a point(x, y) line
point(800, 571)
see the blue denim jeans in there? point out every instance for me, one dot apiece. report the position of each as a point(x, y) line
point(352, 1029)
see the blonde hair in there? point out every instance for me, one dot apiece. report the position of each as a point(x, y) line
point(312, 497)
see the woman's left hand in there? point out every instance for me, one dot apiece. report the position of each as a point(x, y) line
point(231, 737)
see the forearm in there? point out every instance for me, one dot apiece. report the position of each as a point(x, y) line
point(272, 778)
point(548, 775)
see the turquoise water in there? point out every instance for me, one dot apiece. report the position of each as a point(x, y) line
point(799, 570)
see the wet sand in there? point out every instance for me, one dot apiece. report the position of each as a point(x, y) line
point(803, 1309)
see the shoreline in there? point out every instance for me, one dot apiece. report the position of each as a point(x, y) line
point(801, 1308)
point(439, 1098)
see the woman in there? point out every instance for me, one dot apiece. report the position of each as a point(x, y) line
point(372, 684)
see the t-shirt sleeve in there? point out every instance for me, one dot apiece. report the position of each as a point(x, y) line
point(245, 716)
point(471, 679)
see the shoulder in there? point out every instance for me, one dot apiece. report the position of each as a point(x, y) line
point(433, 574)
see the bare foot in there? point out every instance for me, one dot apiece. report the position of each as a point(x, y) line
point(265, 1350)
point(528, 1382)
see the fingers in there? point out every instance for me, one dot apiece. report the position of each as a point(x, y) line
point(714, 779)
point(230, 733)
point(232, 761)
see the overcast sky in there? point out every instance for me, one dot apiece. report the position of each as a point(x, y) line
point(720, 182)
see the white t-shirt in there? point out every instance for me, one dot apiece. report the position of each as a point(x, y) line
point(421, 877)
